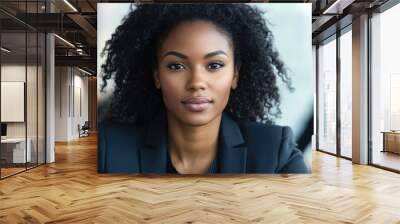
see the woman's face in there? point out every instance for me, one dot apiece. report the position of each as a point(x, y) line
point(196, 72)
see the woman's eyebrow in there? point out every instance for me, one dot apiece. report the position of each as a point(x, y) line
point(177, 54)
point(211, 54)
point(180, 55)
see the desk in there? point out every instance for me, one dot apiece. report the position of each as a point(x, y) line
point(15, 148)
point(391, 141)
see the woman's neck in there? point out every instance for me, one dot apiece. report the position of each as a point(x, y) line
point(192, 148)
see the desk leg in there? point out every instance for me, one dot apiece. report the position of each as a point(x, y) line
point(384, 143)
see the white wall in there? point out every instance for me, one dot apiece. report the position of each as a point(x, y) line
point(71, 94)
point(61, 103)
point(12, 73)
point(12, 100)
point(80, 111)
point(16, 73)
point(33, 126)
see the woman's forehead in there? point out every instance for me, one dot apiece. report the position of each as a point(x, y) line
point(197, 36)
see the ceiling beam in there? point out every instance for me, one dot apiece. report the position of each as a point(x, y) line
point(86, 26)
point(337, 7)
point(83, 61)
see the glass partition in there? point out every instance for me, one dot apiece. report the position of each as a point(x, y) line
point(31, 100)
point(13, 110)
point(385, 89)
point(22, 77)
point(346, 94)
point(327, 96)
point(41, 96)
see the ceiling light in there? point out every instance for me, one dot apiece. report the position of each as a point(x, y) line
point(5, 50)
point(64, 40)
point(84, 71)
point(70, 5)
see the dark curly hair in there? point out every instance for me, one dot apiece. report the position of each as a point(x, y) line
point(132, 49)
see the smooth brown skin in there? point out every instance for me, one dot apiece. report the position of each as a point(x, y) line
point(191, 71)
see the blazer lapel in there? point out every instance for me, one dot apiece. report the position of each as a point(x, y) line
point(153, 154)
point(232, 152)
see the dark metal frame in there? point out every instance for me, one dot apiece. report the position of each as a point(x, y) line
point(0, 92)
point(369, 90)
point(338, 98)
point(317, 97)
point(26, 87)
point(45, 89)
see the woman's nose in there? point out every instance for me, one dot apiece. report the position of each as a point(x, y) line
point(196, 80)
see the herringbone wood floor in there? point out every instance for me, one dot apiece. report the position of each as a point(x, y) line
point(70, 191)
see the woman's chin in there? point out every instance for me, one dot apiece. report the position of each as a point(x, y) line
point(197, 119)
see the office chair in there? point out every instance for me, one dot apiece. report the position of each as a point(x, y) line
point(84, 130)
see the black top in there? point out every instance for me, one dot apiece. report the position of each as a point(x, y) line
point(171, 168)
point(243, 147)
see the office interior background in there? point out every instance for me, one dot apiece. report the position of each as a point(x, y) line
point(49, 88)
point(48, 83)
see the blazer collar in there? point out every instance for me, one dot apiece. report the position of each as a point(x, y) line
point(232, 152)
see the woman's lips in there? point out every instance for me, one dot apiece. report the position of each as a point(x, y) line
point(196, 104)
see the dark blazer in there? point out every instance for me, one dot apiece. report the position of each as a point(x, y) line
point(244, 147)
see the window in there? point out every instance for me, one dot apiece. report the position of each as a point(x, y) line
point(346, 93)
point(385, 89)
point(327, 97)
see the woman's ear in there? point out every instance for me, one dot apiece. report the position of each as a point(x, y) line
point(235, 77)
point(156, 79)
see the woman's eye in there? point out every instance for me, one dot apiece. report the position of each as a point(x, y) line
point(214, 66)
point(175, 66)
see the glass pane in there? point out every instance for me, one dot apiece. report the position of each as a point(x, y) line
point(31, 98)
point(13, 86)
point(23, 79)
point(41, 98)
point(386, 89)
point(327, 97)
point(346, 94)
